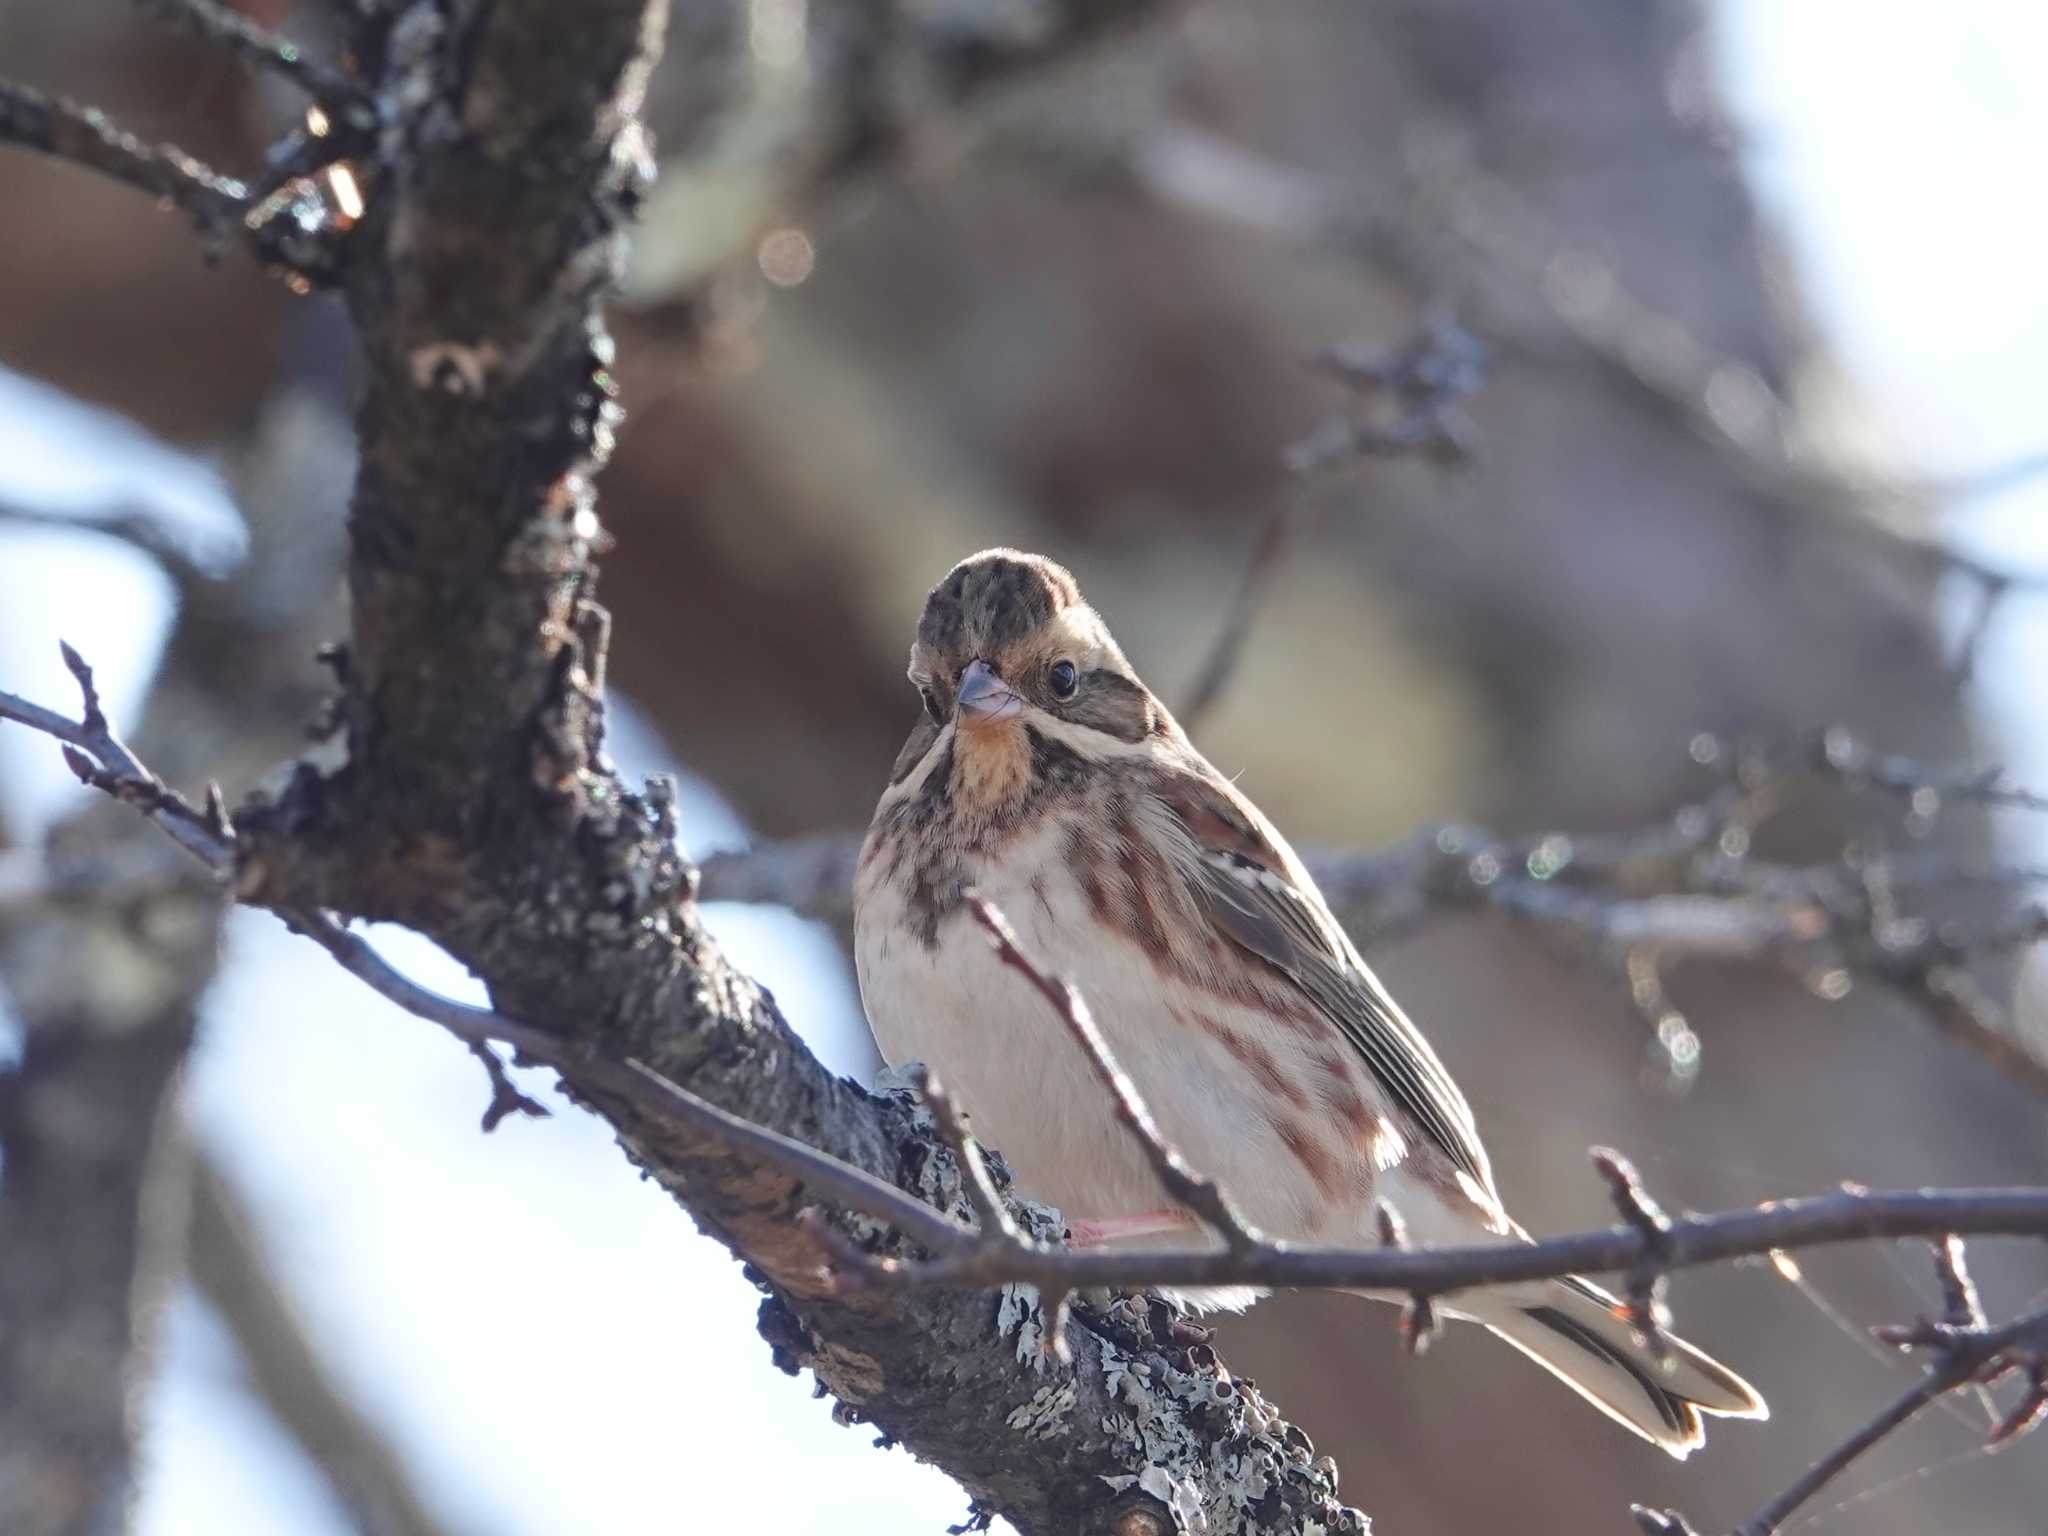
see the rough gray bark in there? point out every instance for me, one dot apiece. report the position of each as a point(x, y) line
point(476, 807)
point(475, 804)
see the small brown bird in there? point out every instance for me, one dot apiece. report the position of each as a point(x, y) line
point(1045, 775)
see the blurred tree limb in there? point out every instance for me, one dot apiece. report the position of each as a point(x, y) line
point(1453, 230)
point(105, 950)
point(369, 1475)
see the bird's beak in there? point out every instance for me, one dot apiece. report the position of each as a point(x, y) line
point(984, 697)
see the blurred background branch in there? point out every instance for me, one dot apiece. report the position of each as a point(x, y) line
point(370, 1475)
point(1689, 886)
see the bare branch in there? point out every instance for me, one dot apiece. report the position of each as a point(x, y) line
point(1853, 761)
point(811, 875)
point(992, 1216)
point(87, 136)
point(1964, 1356)
point(293, 235)
point(1444, 230)
point(1419, 1321)
point(1964, 1351)
point(1647, 1313)
point(102, 761)
point(506, 1099)
point(208, 835)
point(1406, 402)
point(1277, 529)
point(236, 34)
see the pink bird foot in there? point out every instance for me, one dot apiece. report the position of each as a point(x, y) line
point(1092, 1232)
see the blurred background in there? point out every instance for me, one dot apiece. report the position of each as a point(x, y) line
point(1759, 288)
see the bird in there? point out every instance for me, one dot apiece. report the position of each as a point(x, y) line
point(1044, 777)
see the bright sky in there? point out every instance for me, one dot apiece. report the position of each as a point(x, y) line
point(564, 1353)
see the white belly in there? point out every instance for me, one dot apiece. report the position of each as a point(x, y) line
point(1033, 1095)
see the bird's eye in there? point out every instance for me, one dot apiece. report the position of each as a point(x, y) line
point(1064, 679)
point(931, 706)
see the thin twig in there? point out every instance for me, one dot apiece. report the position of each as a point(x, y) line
point(230, 30)
point(506, 1099)
point(102, 761)
point(303, 252)
point(1964, 1356)
point(1193, 1189)
point(1276, 531)
point(1852, 760)
point(95, 752)
point(465, 1021)
point(1966, 1352)
point(1419, 1321)
point(962, 1260)
point(1647, 1313)
point(991, 1214)
point(86, 136)
point(1409, 401)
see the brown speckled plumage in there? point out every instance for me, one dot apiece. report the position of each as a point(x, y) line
point(1045, 775)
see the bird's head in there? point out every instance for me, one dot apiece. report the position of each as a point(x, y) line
point(1007, 646)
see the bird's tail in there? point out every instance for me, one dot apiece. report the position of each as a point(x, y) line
point(1581, 1334)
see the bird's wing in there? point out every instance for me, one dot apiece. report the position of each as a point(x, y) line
point(1255, 891)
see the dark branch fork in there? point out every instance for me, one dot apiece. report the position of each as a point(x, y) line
point(216, 202)
point(1647, 1247)
point(1962, 1349)
point(1409, 402)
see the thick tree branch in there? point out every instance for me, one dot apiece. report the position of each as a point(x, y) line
point(84, 1262)
point(108, 937)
